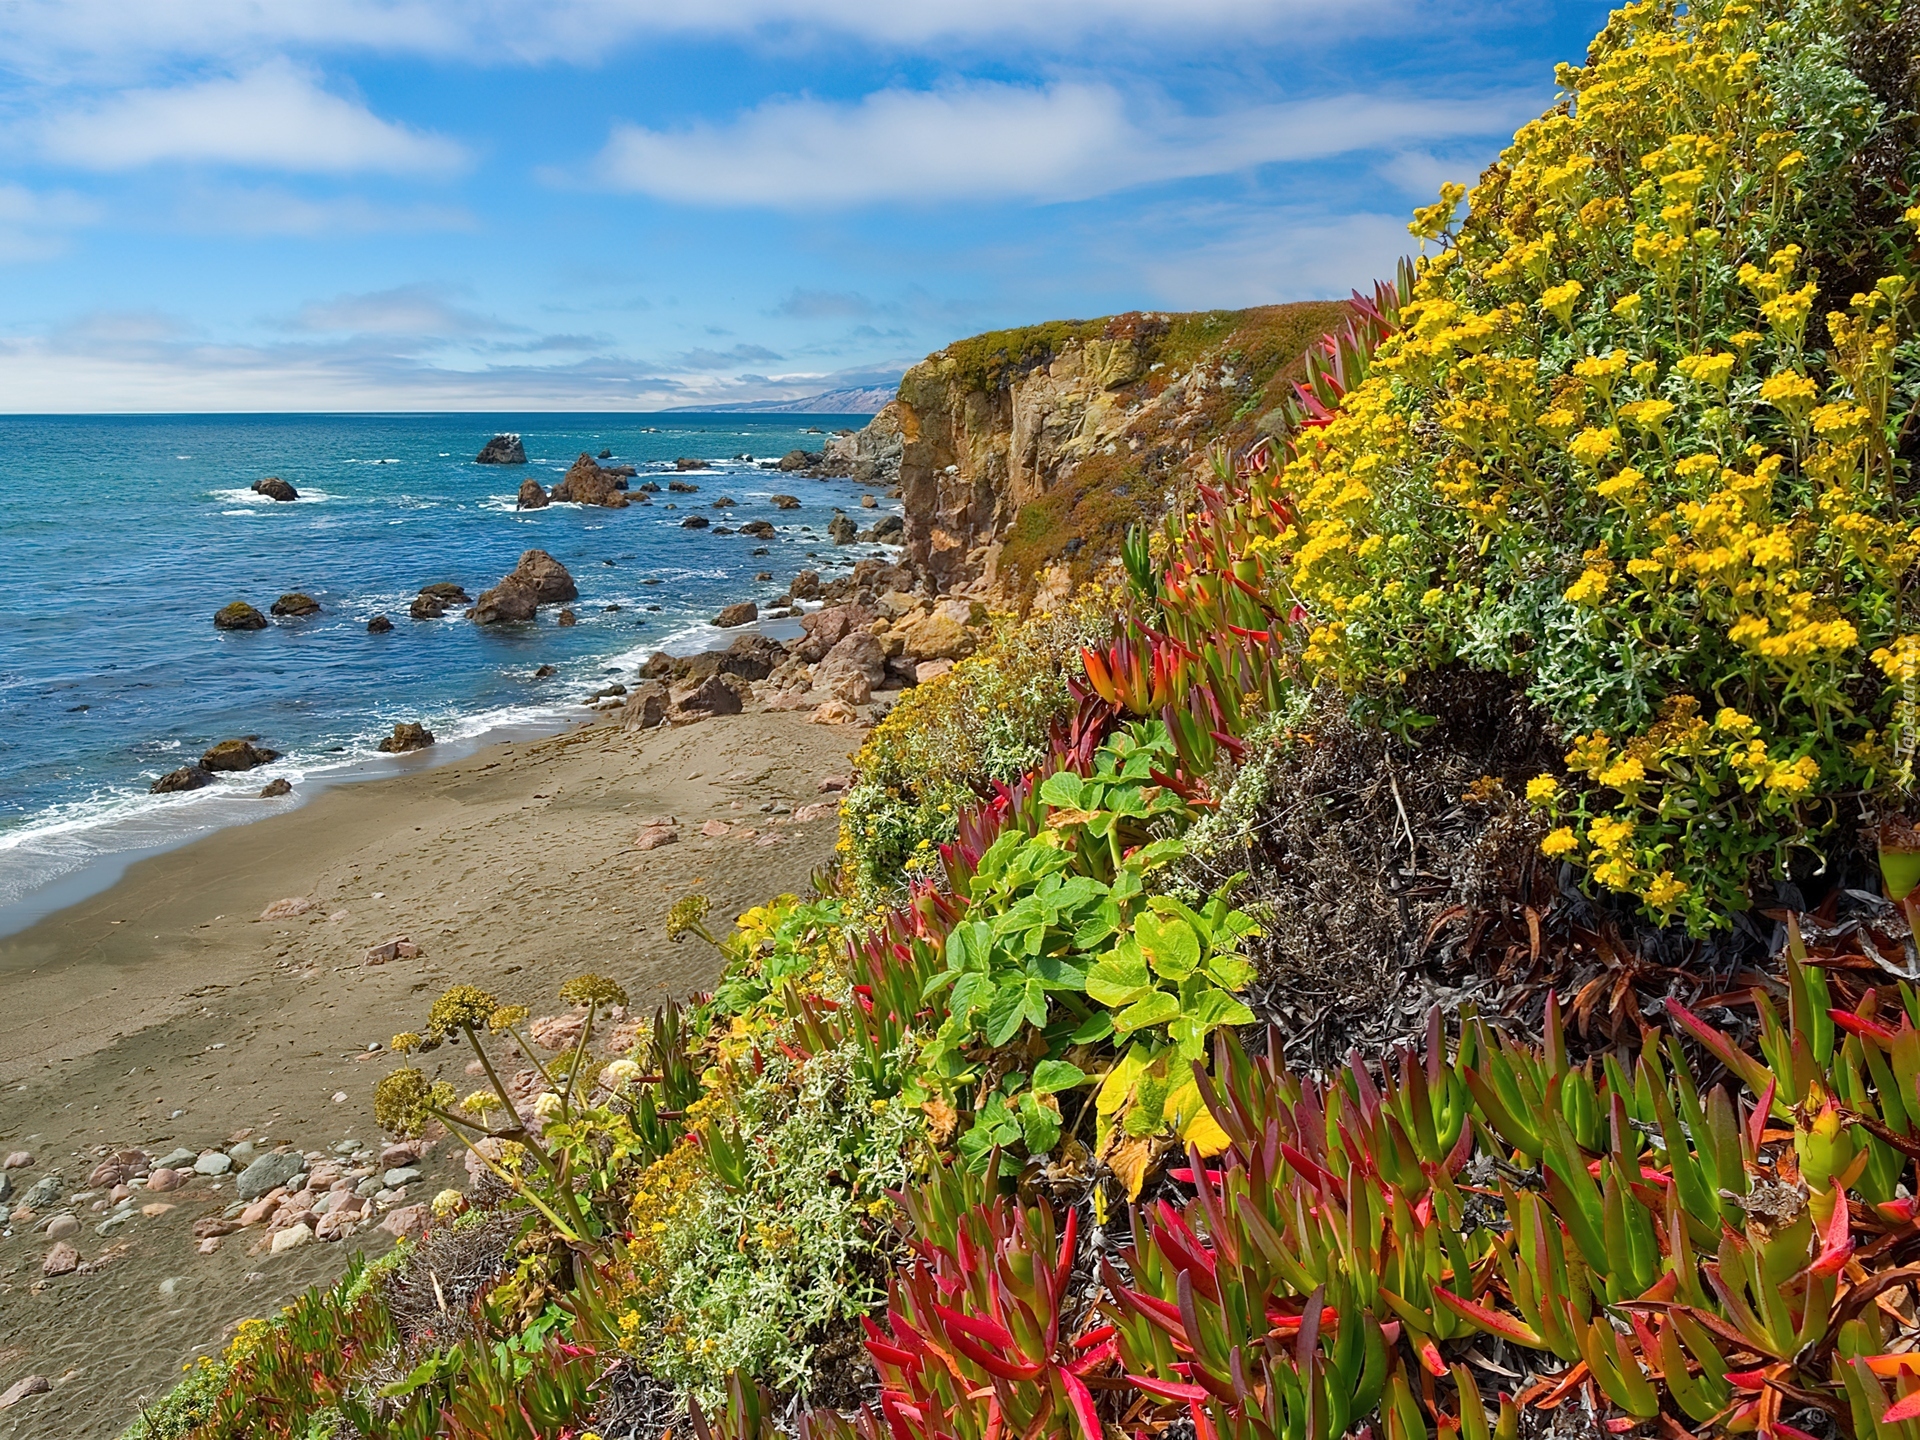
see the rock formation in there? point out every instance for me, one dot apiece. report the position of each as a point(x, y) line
point(294, 604)
point(240, 616)
point(503, 449)
point(274, 488)
point(531, 497)
point(407, 735)
point(744, 613)
point(187, 777)
point(585, 483)
point(379, 625)
point(236, 755)
point(538, 579)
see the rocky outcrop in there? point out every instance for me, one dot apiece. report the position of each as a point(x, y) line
point(713, 696)
point(502, 449)
point(744, 613)
point(237, 755)
point(274, 488)
point(827, 628)
point(240, 616)
point(585, 483)
point(842, 531)
point(537, 580)
point(1025, 454)
point(531, 496)
point(646, 707)
point(694, 522)
point(407, 735)
point(187, 777)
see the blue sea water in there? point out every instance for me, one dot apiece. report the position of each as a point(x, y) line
point(121, 536)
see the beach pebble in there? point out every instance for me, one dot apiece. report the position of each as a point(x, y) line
point(18, 1160)
point(60, 1227)
point(401, 1175)
point(556, 1032)
point(834, 712)
point(714, 829)
point(107, 1174)
point(653, 839)
point(155, 1210)
point(62, 1259)
point(21, 1389)
point(339, 1097)
point(398, 948)
point(208, 1245)
point(402, 1152)
point(43, 1194)
point(212, 1163)
point(241, 1152)
point(178, 1159)
point(291, 1238)
point(164, 1179)
point(214, 1225)
point(407, 1222)
point(260, 1209)
point(269, 1172)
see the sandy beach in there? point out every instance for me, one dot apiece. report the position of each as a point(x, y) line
point(163, 1012)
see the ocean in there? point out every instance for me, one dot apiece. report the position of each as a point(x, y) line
point(121, 536)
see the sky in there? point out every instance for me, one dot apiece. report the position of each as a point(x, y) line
point(326, 205)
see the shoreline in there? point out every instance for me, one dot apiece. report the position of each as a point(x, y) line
point(164, 1011)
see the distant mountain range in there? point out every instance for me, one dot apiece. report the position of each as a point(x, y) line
point(868, 400)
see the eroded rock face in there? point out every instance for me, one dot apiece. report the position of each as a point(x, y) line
point(503, 449)
point(585, 483)
point(274, 488)
point(532, 497)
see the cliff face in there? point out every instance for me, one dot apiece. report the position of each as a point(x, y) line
point(1025, 454)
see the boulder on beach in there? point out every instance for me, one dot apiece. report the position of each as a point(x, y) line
point(274, 488)
point(887, 530)
point(240, 616)
point(379, 625)
point(274, 789)
point(806, 585)
point(646, 707)
point(538, 579)
point(407, 735)
point(585, 483)
point(294, 604)
point(713, 696)
point(502, 449)
point(858, 653)
point(827, 628)
point(187, 777)
point(744, 613)
point(532, 497)
point(942, 635)
point(236, 755)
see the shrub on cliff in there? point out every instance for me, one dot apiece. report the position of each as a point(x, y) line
point(1628, 450)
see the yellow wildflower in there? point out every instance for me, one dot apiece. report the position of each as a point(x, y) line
point(1559, 842)
point(1590, 588)
point(1542, 789)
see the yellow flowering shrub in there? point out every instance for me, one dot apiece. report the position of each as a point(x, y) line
point(1615, 452)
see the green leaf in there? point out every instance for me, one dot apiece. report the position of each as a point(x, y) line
point(1156, 1009)
point(1004, 1016)
point(1232, 971)
point(1039, 1125)
point(1096, 1027)
point(1169, 943)
point(1121, 977)
point(1035, 1005)
point(1057, 974)
point(970, 993)
point(1097, 927)
point(1050, 1076)
point(1063, 790)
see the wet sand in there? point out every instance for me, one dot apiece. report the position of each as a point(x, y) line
point(163, 1011)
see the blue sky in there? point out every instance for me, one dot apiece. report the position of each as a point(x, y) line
point(635, 204)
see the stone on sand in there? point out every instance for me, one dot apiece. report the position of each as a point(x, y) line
point(62, 1259)
point(269, 1172)
point(288, 908)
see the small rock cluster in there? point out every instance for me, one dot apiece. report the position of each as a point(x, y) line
point(288, 1197)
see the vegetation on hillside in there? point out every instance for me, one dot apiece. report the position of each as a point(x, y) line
point(992, 1141)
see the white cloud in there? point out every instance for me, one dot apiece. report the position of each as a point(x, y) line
point(88, 34)
point(1062, 142)
point(34, 225)
point(275, 116)
point(403, 310)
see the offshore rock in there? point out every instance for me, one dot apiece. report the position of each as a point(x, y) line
point(187, 777)
point(240, 616)
point(294, 604)
point(532, 497)
point(503, 449)
point(538, 579)
point(586, 483)
point(379, 625)
point(274, 488)
point(236, 755)
point(407, 735)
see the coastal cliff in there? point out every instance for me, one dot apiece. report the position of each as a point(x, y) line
point(1023, 455)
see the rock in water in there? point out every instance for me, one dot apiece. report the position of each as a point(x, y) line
point(759, 529)
point(294, 604)
point(187, 777)
point(785, 502)
point(532, 497)
point(379, 625)
point(407, 735)
point(538, 579)
point(274, 488)
point(887, 530)
point(745, 613)
point(276, 788)
point(586, 483)
point(447, 592)
point(841, 530)
point(240, 616)
point(236, 755)
point(566, 618)
point(502, 449)
point(694, 522)
point(427, 607)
